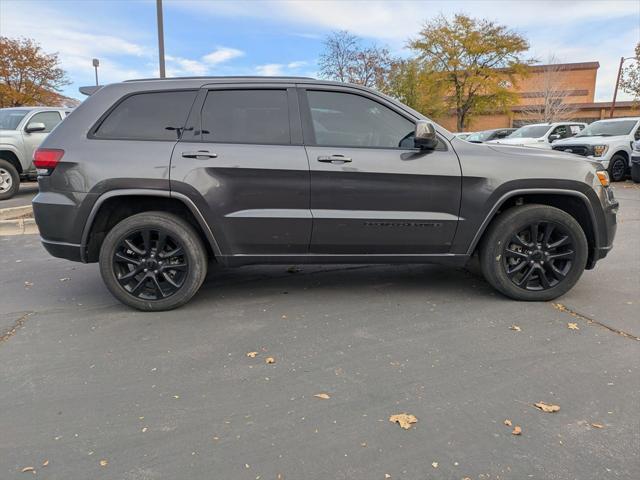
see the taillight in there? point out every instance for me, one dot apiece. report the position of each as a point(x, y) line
point(46, 159)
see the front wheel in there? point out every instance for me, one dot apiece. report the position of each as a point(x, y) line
point(153, 261)
point(534, 253)
point(9, 180)
point(617, 168)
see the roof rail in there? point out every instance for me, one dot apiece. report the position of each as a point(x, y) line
point(219, 77)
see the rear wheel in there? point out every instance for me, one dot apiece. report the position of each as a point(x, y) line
point(153, 261)
point(9, 180)
point(534, 253)
point(617, 168)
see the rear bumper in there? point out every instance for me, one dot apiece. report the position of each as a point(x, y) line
point(69, 251)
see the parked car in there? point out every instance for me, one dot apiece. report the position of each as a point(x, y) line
point(155, 178)
point(635, 162)
point(607, 141)
point(22, 130)
point(463, 135)
point(488, 135)
point(542, 135)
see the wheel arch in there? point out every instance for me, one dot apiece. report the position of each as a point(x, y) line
point(116, 205)
point(573, 202)
point(11, 157)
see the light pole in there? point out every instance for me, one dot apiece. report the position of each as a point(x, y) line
point(96, 64)
point(615, 92)
point(160, 37)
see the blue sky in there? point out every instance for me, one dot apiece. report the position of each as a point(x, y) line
point(265, 37)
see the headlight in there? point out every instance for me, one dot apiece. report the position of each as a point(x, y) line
point(599, 150)
point(636, 145)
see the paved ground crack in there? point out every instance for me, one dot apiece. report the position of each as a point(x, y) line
point(563, 308)
point(14, 328)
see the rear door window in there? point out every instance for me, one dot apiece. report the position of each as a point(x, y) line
point(246, 116)
point(148, 116)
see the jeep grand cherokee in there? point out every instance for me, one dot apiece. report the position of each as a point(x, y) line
point(156, 179)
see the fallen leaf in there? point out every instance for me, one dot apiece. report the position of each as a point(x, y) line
point(28, 284)
point(403, 419)
point(507, 422)
point(144, 429)
point(269, 360)
point(573, 326)
point(28, 469)
point(517, 430)
point(65, 279)
point(176, 396)
point(386, 475)
point(547, 407)
point(45, 463)
point(252, 354)
point(323, 396)
point(597, 425)
point(103, 463)
point(516, 328)
point(434, 464)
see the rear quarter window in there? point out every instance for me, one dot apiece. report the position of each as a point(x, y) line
point(147, 116)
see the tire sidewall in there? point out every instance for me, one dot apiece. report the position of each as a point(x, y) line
point(614, 160)
point(15, 179)
point(194, 250)
point(512, 222)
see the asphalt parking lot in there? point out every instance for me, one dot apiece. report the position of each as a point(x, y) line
point(27, 191)
point(91, 389)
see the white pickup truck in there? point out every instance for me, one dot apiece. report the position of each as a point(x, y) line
point(609, 142)
point(541, 135)
point(22, 130)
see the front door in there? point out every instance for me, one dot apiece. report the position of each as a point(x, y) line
point(372, 192)
point(242, 161)
point(32, 140)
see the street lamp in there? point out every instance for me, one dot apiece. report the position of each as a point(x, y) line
point(615, 92)
point(160, 36)
point(96, 64)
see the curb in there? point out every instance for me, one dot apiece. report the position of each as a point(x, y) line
point(15, 212)
point(21, 226)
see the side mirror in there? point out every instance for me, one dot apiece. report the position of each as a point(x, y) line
point(553, 137)
point(35, 127)
point(425, 135)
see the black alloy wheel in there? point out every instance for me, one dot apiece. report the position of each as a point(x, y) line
point(539, 256)
point(150, 264)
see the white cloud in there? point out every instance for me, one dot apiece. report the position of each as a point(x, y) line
point(270, 69)
point(221, 55)
point(178, 66)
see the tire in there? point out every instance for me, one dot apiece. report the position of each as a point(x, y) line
point(618, 168)
point(635, 172)
point(148, 273)
point(507, 253)
point(9, 180)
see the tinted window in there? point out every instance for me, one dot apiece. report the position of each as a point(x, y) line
point(148, 116)
point(343, 119)
point(246, 116)
point(50, 120)
point(530, 131)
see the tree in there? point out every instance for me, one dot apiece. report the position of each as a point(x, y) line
point(345, 59)
point(550, 104)
point(28, 76)
point(630, 81)
point(471, 58)
point(409, 83)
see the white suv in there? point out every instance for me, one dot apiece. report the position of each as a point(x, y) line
point(609, 142)
point(541, 135)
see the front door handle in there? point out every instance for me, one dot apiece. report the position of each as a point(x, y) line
point(200, 155)
point(337, 159)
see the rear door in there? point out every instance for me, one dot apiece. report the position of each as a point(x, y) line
point(372, 192)
point(242, 161)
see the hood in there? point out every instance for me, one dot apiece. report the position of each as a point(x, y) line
point(592, 140)
point(517, 141)
point(538, 154)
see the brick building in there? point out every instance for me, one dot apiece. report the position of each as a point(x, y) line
point(576, 84)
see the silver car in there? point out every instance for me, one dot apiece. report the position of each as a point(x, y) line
point(22, 130)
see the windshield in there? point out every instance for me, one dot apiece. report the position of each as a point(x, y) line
point(607, 128)
point(479, 137)
point(530, 131)
point(9, 119)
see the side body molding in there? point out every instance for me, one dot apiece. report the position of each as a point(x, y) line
point(516, 193)
point(151, 193)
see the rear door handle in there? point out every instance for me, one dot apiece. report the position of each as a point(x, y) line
point(337, 159)
point(200, 155)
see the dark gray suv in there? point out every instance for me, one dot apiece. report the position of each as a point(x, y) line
point(156, 179)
